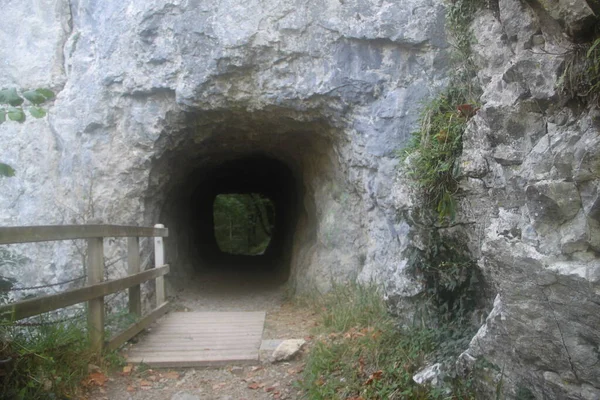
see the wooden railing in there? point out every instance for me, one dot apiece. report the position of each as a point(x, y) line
point(96, 288)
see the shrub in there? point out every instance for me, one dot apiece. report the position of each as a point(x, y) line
point(44, 362)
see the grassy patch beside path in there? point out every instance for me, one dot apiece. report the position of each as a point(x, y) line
point(361, 354)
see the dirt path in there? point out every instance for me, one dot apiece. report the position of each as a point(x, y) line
point(224, 292)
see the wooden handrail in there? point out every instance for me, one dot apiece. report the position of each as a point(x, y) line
point(96, 287)
point(48, 233)
point(39, 305)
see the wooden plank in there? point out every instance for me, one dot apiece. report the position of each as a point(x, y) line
point(196, 339)
point(133, 267)
point(137, 327)
point(185, 347)
point(159, 259)
point(95, 275)
point(42, 304)
point(27, 234)
point(195, 361)
point(216, 315)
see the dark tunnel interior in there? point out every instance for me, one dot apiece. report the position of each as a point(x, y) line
point(252, 174)
point(277, 154)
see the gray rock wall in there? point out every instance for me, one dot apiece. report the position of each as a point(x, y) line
point(531, 172)
point(148, 91)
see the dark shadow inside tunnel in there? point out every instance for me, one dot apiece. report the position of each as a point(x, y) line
point(270, 179)
point(274, 159)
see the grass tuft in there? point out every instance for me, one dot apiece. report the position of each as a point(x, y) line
point(580, 79)
point(46, 362)
point(362, 354)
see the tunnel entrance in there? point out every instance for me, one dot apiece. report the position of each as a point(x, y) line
point(280, 161)
point(243, 223)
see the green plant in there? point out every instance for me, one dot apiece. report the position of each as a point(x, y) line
point(363, 354)
point(243, 222)
point(581, 74)
point(15, 106)
point(6, 170)
point(523, 393)
point(436, 146)
point(350, 305)
point(451, 278)
point(47, 361)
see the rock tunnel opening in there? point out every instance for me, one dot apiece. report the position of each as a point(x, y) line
point(280, 156)
point(254, 174)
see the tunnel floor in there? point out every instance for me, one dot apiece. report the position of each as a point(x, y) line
point(229, 289)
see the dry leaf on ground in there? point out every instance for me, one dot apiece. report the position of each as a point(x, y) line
point(171, 375)
point(96, 379)
point(375, 376)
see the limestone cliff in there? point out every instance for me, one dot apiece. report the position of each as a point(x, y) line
point(154, 96)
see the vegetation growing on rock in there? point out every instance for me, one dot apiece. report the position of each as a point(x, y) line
point(436, 146)
point(580, 79)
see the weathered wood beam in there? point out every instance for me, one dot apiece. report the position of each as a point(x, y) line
point(137, 327)
point(42, 304)
point(95, 309)
point(27, 234)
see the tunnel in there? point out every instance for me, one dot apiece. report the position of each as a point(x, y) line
point(252, 174)
point(284, 156)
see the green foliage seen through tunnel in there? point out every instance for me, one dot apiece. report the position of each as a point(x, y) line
point(243, 223)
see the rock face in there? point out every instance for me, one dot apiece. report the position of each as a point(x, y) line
point(153, 93)
point(153, 96)
point(288, 349)
point(531, 165)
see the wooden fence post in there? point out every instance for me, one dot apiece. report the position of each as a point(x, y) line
point(95, 274)
point(159, 260)
point(133, 261)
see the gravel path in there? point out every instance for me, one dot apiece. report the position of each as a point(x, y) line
point(229, 291)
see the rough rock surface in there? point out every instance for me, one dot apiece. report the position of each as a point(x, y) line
point(429, 375)
point(531, 164)
point(149, 92)
point(288, 349)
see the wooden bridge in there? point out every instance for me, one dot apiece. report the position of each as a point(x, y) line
point(179, 339)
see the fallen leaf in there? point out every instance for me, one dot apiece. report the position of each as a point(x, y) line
point(361, 365)
point(257, 368)
point(130, 388)
point(269, 389)
point(127, 369)
point(171, 375)
point(375, 376)
point(254, 386)
point(219, 386)
point(144, 382)
point(96, 379)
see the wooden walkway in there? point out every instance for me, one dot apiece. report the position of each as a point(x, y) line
point(196, 339)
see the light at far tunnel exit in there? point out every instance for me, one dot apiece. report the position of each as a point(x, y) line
point(243, 223)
